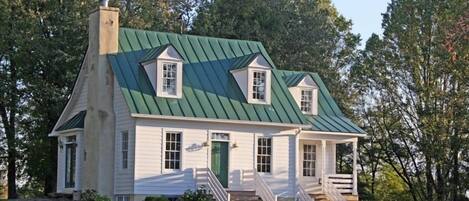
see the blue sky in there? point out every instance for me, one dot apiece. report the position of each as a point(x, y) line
point(365, 15)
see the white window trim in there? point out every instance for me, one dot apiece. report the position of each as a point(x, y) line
point(159, 78)
point(163, 149)
point(315, 158)
point(268, 84)
point(311, 100)
point(122, 198)
point(256, 138)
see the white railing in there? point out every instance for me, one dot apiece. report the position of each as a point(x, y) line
point(302, 195)
point(342, 182)
point(262, 189)
point(205, 177)
point(335, 185)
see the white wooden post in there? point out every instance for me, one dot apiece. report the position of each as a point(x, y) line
point(355, 191)
point(323, 165)
point(298, 174)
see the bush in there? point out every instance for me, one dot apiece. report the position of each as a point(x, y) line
point(151, 198)
point(198, 195)
point(92, 195)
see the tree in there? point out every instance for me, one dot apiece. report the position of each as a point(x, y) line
point(416, 93)
point(299, 35)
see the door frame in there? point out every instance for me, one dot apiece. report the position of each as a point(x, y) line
point(317, 171)
point(209, 151)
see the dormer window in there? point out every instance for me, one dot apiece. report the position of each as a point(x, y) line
point(306, 101)
point(169, 78)
point(305, 92)
point(258, 85)
point(253, 75)
point(163, 66)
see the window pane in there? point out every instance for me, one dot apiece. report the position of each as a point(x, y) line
point(309, 160)
point(173, 150)
point(169, 78)
point(258, 85)
point(264, 154)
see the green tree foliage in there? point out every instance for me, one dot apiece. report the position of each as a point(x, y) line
point(414, 90)
point(299, 35)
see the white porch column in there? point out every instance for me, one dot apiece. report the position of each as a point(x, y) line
point(323, 164)
point(297, 163)
point(355, 191)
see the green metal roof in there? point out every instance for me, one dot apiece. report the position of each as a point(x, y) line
point(294, 79)
point(209, 89)
point(77, 121)
point(330, 118)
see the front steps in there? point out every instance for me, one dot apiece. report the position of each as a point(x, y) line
point(323, 197)
point(244, 196)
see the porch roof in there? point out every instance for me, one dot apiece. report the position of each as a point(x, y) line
point(77, 121)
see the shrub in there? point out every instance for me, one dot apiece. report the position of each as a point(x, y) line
point(92, 195)
point(152, 198)
point(198, 195)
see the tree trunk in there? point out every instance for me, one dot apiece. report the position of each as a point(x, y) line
point(11, 168)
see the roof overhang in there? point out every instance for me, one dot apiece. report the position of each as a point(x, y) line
point(65, 132)
point(210, 120)
point(364, 135)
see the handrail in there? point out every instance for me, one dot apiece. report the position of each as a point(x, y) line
point(331, 191)
point(206, 176)
point(302, 195)
point(262, 189)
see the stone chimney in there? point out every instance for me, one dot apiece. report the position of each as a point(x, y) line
point(99, 131)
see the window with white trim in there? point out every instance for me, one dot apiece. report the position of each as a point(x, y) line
point(306, 102)
point(169, 78)
point(259, 85)
point(309, 160)
point(125, 149)
point(122, 198)
point(172, 155)
point(264, 154)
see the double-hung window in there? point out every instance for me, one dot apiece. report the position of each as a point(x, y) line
point(264, 154)
point(172, 155)
point(70, 161)
point(169, 78)
point(259, 85)
point(125, 149)
point(309, 160)
point(306, 101)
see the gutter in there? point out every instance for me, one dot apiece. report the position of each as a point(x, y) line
point(211, 120)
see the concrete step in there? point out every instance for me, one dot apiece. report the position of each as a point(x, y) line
point(243, 196)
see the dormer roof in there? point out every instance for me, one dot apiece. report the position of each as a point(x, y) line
point(246, 60)
point(153, 53)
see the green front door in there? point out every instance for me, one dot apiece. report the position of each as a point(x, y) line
point(220, 161)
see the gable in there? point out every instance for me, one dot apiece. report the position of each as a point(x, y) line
point(78, 99)
point(209, 90)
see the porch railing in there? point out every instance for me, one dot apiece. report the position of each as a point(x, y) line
point(336, 184)
point(302, 195)
point(205, 177)
point(342, 182)
point(262, 189)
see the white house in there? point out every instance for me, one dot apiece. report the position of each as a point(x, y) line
point(157, 113)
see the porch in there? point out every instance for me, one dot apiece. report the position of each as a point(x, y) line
point(316, 168)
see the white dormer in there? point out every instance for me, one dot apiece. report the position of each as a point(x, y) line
point(163, 66)
point(253, 75)
point(305, 92)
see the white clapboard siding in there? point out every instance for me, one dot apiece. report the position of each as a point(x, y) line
point(151, 178)
point(279, 180)
point(123, 178)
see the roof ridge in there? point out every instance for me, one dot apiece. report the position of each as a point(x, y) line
point(190, 35)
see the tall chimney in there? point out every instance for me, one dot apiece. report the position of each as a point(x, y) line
point(99, 131)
